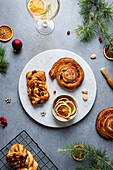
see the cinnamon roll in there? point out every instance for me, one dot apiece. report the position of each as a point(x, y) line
point(68, 72)
point(104, 123)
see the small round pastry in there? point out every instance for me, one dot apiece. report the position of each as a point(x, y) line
point(68, 72)
point(104, 123)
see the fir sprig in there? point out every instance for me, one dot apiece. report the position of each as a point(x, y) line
point(96, 14)
point(3, 62)
point(97, 158)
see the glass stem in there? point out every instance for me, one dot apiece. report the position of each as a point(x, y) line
point(45, 24)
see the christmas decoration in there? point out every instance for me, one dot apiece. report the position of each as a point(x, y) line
point(68, 32)
point(8, 100)
point(3, 62)
point(3, 121)
point(6, 32)
point(100, 40)
point(102, 12)
point(17, 45)
point(43, 114)
point(96, 157)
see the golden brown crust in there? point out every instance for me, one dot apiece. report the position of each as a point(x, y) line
point(68, 72)
point(37, 88)
point(104, 123)
point(21, 158)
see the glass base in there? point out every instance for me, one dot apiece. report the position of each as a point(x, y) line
point(45, 27)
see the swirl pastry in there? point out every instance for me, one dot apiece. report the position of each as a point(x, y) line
point(37, 88)
point(68, 72)
point(104, 123)
point(21, 158)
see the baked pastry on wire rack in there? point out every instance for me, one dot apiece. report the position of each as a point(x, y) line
point(68, 72)
point(20, 158)
point(104, 123)
point(37, 88)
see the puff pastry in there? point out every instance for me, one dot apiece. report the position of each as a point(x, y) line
point(37, 88)
point(21, 158)
point(68, 72)
point(104, 123)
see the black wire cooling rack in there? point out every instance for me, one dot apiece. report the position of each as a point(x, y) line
point(44, 163)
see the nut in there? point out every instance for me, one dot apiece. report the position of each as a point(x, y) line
point(84, 91)
point(93, 56)
point(85, 97)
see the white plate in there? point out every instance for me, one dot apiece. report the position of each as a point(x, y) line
point(44, 62)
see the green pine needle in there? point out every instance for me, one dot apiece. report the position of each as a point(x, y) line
point(3, 62)
point(96, 14)
point(2, 51)
point(97, 158)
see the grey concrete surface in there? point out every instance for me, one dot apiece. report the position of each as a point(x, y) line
point(14, 13)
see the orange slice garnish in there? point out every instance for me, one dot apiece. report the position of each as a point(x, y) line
point(6, 32)
point(83, 154)
point(62, 99)
point(72, 106)
point(63, 110)
point(37, 6)
point(58, 103)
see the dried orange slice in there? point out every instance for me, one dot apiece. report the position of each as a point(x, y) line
point(37, 6)
point(72, 106)
point(83, 154)
point(62, 99)
point(6, 32)
point(58, 103)
point(63, 110)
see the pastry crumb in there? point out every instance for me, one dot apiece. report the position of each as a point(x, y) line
point(84, 91)
point(85, 97)
point(93, 56)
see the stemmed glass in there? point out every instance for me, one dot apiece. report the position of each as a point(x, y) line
point(43, 11)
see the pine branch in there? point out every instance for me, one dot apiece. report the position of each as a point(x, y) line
point(3, 62)
point(2, 51)
point(98, 159)
point(96, 14)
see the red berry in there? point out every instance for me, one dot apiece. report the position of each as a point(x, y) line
point(1, 118)
point(92, 17)
point(100, 38)
point(68, 32)
point(5, 122)
point(3, 125)
point(54, 91)
point(4, 119)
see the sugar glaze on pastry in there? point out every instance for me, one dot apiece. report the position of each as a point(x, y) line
point(68, 72)
point(20, 158)
point(37, 88)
